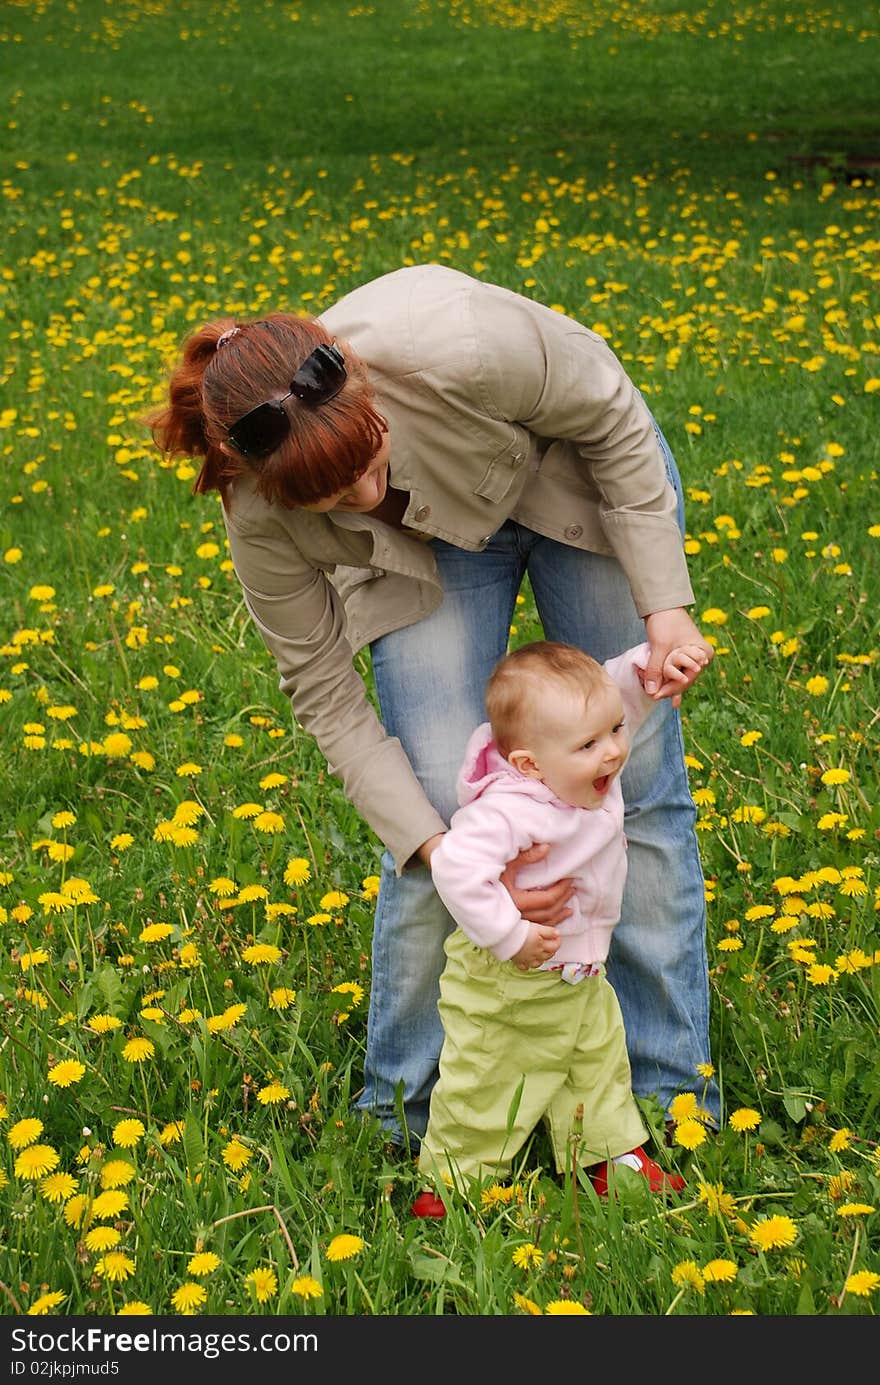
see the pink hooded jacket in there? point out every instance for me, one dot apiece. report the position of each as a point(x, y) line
point(502, 811)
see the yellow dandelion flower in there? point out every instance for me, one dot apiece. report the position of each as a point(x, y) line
point(126, 1133)
point(204, 1262)
point(758, 911)
point(138, 1050)
point(773, 1233)
point(156, 932)
point(39, 956)
point(272, 1094)
point(117, 1173)
point(297, 871)
point(269, 823)
point(835, 776)
point(306, 1287)
point(745, 1119)
point(343, 1247)
point(862, 1283)
point(189, 1298)
point(683, 1106)
point(109, 1204)
point(76, 1210)
point(853, 888)
point(566, 1307)
point(527, 1305)
point(247, 810)
point(43, 1305)
point(817, 685)
point(690, 1134)
point(856, 1209)
point(497, 1196)
point(281, 998)
point(349, 988)
point(719, 1272)
point(821, 974)
point(714, 616)
point(135, 1308)
point(103, 1024)
point(58, 1187)
point(718, 1202)
point(24, 1132)
point(115, 1266)
point(223, 886)
point(688, 1275)
point(333, 899)
point(251, 893)
point(102, 1238)
point(258, 953)
point(263, 1282)
point(274, 911)
point(236, 1156)
point(36, 1161)
point(840, 1183)
point(840, 1140)
point(524, 1257)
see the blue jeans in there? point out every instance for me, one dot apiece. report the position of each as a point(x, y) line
point(430, 679)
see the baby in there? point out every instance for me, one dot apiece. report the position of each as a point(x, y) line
point(520, 1045)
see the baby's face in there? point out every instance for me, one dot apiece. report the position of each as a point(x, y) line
point(581, 749)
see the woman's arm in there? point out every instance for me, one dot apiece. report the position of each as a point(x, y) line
point(300, 619)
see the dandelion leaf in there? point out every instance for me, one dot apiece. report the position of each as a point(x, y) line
point(103, 991)
point(795, 1104)
point(193, 1145)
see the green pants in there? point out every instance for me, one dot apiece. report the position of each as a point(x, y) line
point(564, 1043)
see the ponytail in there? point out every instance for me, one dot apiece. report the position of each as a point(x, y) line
point(179, 428)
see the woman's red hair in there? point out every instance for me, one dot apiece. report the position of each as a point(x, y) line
point(330, 445)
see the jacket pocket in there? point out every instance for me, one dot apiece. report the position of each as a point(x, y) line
point(346, 580)
point(504, 468)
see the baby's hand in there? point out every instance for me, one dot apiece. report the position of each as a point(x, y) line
point(681, 667)
point(684, 664)
point(539, 946)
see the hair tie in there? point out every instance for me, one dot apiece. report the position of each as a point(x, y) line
point(226, 336)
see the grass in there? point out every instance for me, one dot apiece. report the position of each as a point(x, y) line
point(695, 182)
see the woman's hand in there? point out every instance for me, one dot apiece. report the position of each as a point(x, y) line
point(426, 850)
point(545, 905)
point(668, 631)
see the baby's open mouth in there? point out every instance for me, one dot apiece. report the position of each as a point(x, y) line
point(601, 784)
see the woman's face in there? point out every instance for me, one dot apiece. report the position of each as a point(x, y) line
point(365, 493)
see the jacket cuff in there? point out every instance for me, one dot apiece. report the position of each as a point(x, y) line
point(667, 586)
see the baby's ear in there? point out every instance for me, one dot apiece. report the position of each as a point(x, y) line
point(525, 762)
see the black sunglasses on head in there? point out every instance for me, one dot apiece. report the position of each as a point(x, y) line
point(263, 430)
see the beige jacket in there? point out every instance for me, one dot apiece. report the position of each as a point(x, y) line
point(498, 408)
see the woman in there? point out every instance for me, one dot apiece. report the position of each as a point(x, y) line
point(390, 472)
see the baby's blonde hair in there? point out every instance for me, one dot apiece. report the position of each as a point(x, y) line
point(520, 679)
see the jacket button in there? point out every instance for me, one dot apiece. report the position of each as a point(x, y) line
point(574, 531)
point(422, 512)
point(486, 539)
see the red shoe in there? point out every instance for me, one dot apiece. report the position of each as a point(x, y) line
point(428, 1205)
point(657, 1179)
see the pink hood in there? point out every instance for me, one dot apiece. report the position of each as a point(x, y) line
point(502, 812)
